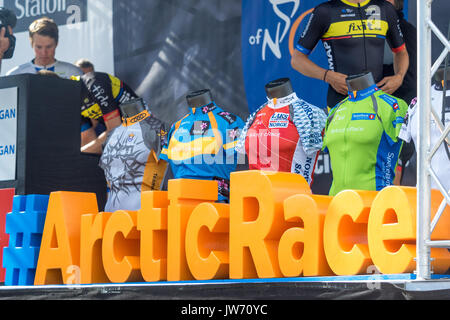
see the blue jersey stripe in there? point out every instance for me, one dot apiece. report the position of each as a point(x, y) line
point(387, 156)
point(302, 49)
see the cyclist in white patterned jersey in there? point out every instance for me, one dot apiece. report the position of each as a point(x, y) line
point(44, 38)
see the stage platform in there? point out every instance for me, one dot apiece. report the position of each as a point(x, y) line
point(363, 287)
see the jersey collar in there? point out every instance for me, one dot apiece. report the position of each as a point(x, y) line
point(277, 103)
point(50, 67)
point(362, 4)
point(362, 94)
point(206, 108)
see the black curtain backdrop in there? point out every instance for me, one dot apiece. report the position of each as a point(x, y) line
point(165, 49)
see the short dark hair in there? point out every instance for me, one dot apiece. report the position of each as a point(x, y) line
point(84, 63)
point(45, 72)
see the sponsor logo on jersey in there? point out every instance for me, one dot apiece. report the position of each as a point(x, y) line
point(92, 112)
point(363, 116)
point(391, 101)
point(356, 27)
point(233, 133)
point(307, 25)
point(329, 55)
point(199, 128)
point(279, 120)
point(208, 108)
point(398, 120)
point(138, 117)
point(347, 13)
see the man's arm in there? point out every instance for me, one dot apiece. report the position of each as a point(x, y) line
point(96, 145)
point(305, 66)
point(401, 63)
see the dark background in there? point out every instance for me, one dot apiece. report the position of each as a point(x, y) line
point(165, 49)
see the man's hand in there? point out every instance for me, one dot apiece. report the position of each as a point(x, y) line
point(337, 81)
point(390, 84)
point(4, 41)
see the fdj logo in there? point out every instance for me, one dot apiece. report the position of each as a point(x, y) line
point(265, 36)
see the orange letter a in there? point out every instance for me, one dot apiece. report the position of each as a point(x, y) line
point(60, 246)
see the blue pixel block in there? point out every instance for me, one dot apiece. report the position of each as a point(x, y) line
point(25, 225)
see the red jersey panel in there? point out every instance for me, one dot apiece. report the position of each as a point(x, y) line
point(272, 140)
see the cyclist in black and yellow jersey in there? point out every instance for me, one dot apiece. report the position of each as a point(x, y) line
point(353, 33)
point(102, 95)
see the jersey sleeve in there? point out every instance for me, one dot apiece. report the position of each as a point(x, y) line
point(316, 27)
point(101, 90)
point(393, 116)
point(394, 35)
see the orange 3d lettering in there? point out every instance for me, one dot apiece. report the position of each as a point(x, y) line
point(345, 232)
point(257, 220)
point(59, 255)
point(273, 227)
point(301, 251)
point(392, 231)
point(152, 223)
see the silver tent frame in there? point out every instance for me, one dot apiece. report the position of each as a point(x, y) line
point(425, 151)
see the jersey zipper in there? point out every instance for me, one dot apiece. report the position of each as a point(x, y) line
point(346, 148)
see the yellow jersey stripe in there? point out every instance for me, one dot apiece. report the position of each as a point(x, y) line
point(179, 151)
point(362, 4)
point(354, 28)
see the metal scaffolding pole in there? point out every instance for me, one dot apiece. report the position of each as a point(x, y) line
point(423, 268)
point(425, 150)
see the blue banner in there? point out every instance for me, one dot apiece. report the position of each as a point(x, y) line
point(270, 30)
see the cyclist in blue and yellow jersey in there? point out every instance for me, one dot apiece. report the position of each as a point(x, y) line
point(202, 144)
point(353, 33)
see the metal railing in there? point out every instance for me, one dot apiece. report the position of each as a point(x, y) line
point(425, 150)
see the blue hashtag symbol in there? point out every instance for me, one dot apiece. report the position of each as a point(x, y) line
point(25, 225)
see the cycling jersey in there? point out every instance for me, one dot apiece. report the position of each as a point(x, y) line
point(440, 162)
point(362, 138)
point(130, 161)
point(62, 69)
point(285, 135)
point(353, 37)
point(202, 146)
point(102, 94)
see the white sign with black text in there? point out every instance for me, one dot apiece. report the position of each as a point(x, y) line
point(8, 133)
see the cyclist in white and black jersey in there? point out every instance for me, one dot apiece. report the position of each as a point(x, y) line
point(44, 38)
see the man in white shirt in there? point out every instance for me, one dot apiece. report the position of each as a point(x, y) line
point(44, 38)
